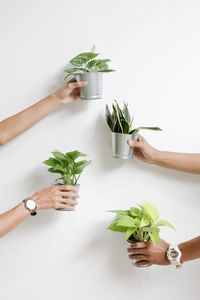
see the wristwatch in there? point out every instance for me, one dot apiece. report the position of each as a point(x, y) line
point(31, 206)
point(174, 256)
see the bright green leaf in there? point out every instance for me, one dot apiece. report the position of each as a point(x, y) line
point(126, 221)
point(165, 223)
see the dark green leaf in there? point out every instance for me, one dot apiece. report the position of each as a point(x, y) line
point(75, 154)
point(109, 117)
point(50, 162)
point(59, 155)
point(83, 58)
point(80, 168)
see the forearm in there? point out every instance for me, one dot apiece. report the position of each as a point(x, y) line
point(186, 162)
point(14, 125)
point(12, 218)
point(190, 249)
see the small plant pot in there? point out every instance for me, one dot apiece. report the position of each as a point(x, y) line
point(120, 147)
point(93, 89)
point(77, 187)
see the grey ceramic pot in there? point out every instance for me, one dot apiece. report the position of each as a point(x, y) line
point(77, 187)
point(93, 89)
point(120, 147)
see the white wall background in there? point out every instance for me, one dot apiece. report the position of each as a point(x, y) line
point(155, 47)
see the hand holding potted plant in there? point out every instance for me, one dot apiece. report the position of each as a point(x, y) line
point(86, 67)
point(139, 224)
point(67, 166)
point(120, 122)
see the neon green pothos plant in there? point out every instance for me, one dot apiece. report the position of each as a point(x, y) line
point(139, 223)
point(120, 120)
point(67, 166)
point(87, 62)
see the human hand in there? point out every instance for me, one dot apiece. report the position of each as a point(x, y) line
point(143, 150)
point(69, 92)
point(58, 196)
point(147, 254)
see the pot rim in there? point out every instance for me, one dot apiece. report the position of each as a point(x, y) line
point(119, 133)
point(90, 72)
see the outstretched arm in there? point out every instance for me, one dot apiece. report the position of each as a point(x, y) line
point(149, 253)
point(186, 162)
point(53, 197)
point(18, 123)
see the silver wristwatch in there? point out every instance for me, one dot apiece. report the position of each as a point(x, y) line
point(174, 256)
point(31, 206)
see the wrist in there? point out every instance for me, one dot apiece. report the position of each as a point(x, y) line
point(54, 99)
point(181, 247)
point(36, 199)
point(156, 156)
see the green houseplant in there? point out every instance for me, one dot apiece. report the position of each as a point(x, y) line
point(87, 67)
point(139, 223)
point(120, 123)
point(68, 165)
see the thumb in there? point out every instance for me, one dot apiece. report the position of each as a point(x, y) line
point(77, 84)
point(134, 143)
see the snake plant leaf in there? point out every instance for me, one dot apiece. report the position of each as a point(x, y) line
point(126, 113)
point(93, 49)
point(125, 126)
point(165, 223)
point(107, 70)
point(136, 130)
point(109, 117)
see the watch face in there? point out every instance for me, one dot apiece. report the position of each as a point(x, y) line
point(173, 253)
point(31, 204)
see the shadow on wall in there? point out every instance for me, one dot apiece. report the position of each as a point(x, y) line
point(114, 245)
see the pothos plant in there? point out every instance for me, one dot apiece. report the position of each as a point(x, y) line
point(87, 62)
point(121, 121)
point(140, 223)
point(68, 165)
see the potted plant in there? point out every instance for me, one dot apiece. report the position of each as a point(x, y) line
point(87, 67)
point(140, 224)
point(68, 165)
point(120, 123)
